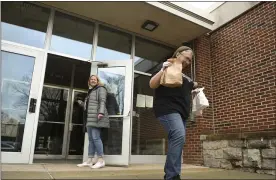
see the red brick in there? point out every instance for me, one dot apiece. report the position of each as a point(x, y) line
point(236, 65)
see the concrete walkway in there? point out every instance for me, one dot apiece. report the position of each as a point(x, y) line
point(153, 171)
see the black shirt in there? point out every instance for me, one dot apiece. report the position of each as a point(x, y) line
point(173, 100)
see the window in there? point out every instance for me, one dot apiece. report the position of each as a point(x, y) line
point(24, 23)
point(149, 54)
point(113, 45)
point(58, 71)
point(148, 135)
point(15, 92)
point(72, 36)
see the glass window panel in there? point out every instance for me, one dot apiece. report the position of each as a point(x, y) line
point(49, 138)
point(24, 23)
point(112, 137)
point(76, 140)
point(15, 91)
point(77, 114)
point(113, 45)
point(72, 35)
point(148, 55)
point(148, 135)
point(58, 70)
point(15, 95)
point(114, 80)
point(82, 73)
point(77, 133)
point(53, 104)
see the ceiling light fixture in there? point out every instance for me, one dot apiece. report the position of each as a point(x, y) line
point(150, 25)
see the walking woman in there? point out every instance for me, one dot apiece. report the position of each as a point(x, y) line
point(172, 107)
point(96, 118)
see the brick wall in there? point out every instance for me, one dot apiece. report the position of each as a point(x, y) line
point(236, 64)
point(243, 69)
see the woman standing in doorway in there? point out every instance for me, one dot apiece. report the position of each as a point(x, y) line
point(172, 108)
point(96, 118)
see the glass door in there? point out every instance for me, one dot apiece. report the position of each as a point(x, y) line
point(51, 128)
point(22, 70)
point(76, 128)
point(117, 77)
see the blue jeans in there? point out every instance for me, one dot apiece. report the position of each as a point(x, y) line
point(175, 127)
point(95, 142)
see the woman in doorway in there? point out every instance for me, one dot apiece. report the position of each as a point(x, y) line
point(96, 118)
point(172, 107)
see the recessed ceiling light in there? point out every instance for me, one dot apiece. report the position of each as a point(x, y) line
point(150, 25)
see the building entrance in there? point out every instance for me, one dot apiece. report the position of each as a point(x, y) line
point(60, 124)
point(60, 132)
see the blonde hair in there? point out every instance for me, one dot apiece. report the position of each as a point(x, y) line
point(181, 49)
point(99, 83)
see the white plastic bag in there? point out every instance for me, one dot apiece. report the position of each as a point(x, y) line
point(200, 102)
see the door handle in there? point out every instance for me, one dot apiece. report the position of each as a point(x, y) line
point(32, 105)
point(70, 127)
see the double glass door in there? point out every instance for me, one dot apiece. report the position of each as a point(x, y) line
point(60, 124)
point(60, 131)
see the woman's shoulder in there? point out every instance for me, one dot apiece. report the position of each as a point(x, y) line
point(100, 88)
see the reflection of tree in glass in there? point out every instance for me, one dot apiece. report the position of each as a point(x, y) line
point(115, 85)
point(52, 101)
point(52, 106)
point(23, 90)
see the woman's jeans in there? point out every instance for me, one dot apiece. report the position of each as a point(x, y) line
point(175, 127)
point(95, 142)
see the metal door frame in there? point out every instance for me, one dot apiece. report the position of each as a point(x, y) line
point(29, 136)
point(124, 158)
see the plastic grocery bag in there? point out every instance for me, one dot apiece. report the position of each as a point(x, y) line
point(200, 102)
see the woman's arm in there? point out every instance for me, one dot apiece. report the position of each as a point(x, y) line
point(102, 100)
point(155, 80)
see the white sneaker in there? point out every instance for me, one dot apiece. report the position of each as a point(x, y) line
point(99, 164)
point(88, 162)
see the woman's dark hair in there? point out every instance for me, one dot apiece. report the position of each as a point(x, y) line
point(181, 49)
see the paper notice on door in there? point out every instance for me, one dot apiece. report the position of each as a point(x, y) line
point(149, 101)
point(141, 100)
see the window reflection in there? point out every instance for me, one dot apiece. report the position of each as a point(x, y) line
point(114, 80)
point(113, 45)
point(148, 55)
point(15, 91)
point(112, 137)
point(77, 133)
point(53, 104)
point(72, 36)
point(148, 135)
point(50, 129)
point(24, 23)
point(49, 138)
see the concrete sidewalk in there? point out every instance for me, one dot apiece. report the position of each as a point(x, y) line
point(153, 171)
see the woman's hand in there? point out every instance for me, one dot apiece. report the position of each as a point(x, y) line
point(80, 102)
point(165, 65)
point(155, 80)
point(100, 116)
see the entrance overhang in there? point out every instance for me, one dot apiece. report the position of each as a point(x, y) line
point(174, 28)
